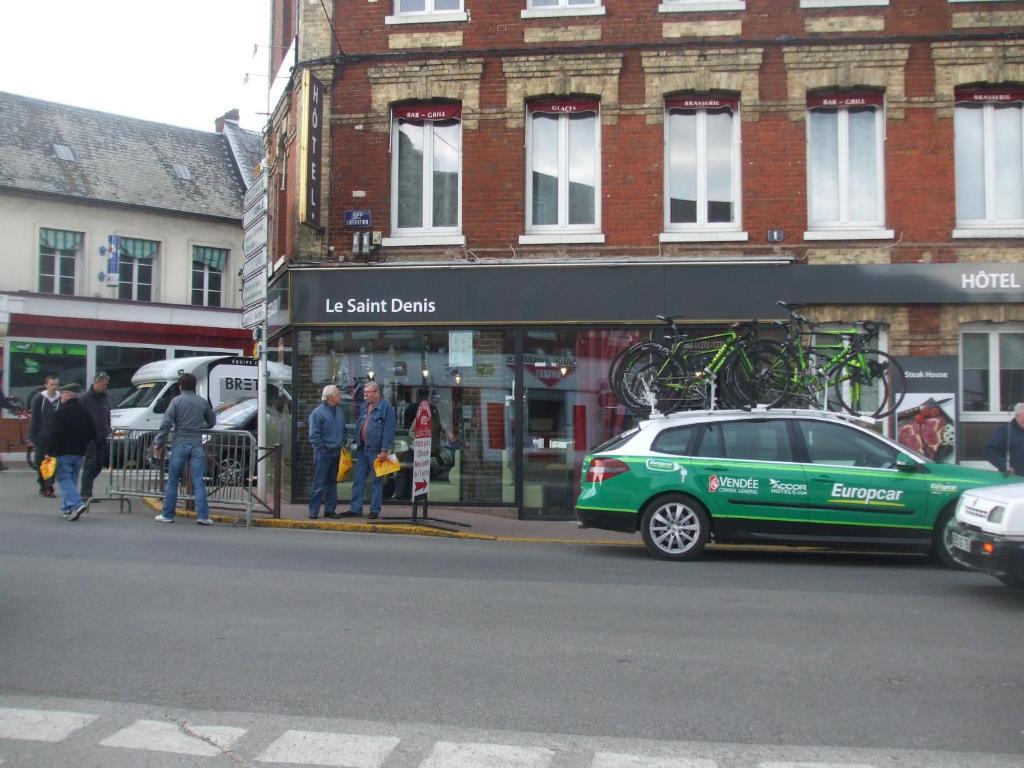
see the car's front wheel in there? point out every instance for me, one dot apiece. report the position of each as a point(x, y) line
point(675, 527)
point(942, 541)
point(1012, 580)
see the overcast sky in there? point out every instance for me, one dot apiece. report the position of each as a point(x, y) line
point(181, 62)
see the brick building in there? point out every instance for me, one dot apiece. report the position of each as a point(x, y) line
point(542, 177)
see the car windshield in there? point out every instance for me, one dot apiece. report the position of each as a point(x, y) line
point(142, 395)
point(235, 413)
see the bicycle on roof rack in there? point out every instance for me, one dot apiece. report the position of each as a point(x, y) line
point(22, 443)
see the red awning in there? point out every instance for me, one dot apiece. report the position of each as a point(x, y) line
point(702, 102)
point(428, 112)
point(564, 106)
point(989, 95)
point(845, 99)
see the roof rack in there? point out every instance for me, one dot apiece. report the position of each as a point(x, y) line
point(765, 410)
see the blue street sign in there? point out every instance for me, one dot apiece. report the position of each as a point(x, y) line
point(357, 218)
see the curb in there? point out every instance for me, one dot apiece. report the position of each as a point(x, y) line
point(406, 530)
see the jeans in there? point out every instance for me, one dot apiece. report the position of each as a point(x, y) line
point(193, 456)
point(325, 482)
point(95, 460)
point(68, 468)
point(363, 459)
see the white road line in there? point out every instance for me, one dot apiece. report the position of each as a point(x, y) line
point(618, 760)
point(333, 749)
point(446, 754)
point(159, 736)
point(813, 765)
point(41, 724)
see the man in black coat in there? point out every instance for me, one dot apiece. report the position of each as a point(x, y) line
point(73, 430)
point(43, 406)
point(1005, 449)
point(97, 403)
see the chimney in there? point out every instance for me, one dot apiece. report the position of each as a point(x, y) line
point(228, 117)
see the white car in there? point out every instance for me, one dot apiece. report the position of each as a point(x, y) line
point(989, 532)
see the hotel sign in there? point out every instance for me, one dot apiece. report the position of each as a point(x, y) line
point(310, 149)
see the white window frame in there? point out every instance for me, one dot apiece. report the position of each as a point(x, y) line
point(704, 232)
point(701, 6)
point(428, 16)
point(842, 3)
point(135, 278)
point(989, 227)
point(76, 273)
point(206, 285)
point(994, 366)
point(843, 228)
point(427, 235)
point(563, 233)
point(591, 8)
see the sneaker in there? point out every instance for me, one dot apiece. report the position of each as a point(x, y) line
point(78, 511)
point(204, 521)
point(161, 518)
point(372, 516)
point(66, 513)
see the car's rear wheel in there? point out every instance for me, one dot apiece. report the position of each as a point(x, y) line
point(675, 527)
point(941, 540)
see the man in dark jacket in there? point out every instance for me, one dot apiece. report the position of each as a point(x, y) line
point(327, 436)
point(97, 403)
point(375, 438)
point(72, 431)
point(42, 407)
point(1005, 449)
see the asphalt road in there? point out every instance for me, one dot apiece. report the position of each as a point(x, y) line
point(759, 648)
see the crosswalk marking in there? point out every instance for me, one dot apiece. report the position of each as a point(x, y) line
point(617, 760)
point(333, 749)
point(159, 736)
point(40, 724)
point(446, 754)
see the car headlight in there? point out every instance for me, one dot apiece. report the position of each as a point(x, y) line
point(996, 514)
point(206, 439)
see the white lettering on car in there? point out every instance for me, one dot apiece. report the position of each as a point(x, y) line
point(790, 489)
point(864, 495)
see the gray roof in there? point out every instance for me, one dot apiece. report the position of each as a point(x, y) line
point(123, 160)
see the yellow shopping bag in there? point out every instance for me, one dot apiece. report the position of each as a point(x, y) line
point(48, 467)
point(345, 464)
point(386, 466)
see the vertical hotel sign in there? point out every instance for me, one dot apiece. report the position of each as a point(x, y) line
point(310, 149)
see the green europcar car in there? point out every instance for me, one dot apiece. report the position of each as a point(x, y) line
point(770, 477)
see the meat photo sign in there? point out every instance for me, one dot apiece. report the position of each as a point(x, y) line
point(926, 419)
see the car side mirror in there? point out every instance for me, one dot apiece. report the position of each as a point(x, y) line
point(904, 463)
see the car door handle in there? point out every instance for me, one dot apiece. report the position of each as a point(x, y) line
point(718, 469)
point(823, 478)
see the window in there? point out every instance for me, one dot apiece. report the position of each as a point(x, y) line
point(207, 275)
point(564, 187)
point(676, 441)
point(135, 269)
point(58, 260)
point(839, 445)
point(542, 8)
point(841, 3)
point(413, 11)
point(702, 168)
point(989, 147)
point(749, 440)
point(31, 361)
point(992, 375)
point(845, 171)
point(426, 170)
point(695, 6)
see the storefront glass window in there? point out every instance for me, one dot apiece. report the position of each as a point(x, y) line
point(120, 363)
point(975, 372)
point(280, 414)
point(32, 361)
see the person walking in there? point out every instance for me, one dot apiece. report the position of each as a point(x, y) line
point(42, 408)
point(1005, 448)
point(188, 415)
point(97, 404)
point(375, 429)
point(327, 436)
point(71, 433)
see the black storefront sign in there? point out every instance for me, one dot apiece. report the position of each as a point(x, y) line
point(625, 293)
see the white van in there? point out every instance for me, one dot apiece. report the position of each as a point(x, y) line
point(219, 378)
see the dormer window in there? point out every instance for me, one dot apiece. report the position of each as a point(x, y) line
point(181, 172)
point(63, 151)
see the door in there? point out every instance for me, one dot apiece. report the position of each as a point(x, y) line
point(855, 489)
point(749, 478)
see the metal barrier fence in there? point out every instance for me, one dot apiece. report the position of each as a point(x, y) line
point(229, 469)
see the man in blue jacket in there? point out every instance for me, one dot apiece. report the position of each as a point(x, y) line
point(375, 431)
point(1005, 449)
point(327, 436)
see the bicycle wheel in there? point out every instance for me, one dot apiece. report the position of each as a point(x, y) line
point(760, 374)
point(872, 383)
point(632, 359)
point(635, 385)
point(30, 458)
point(681, 388)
